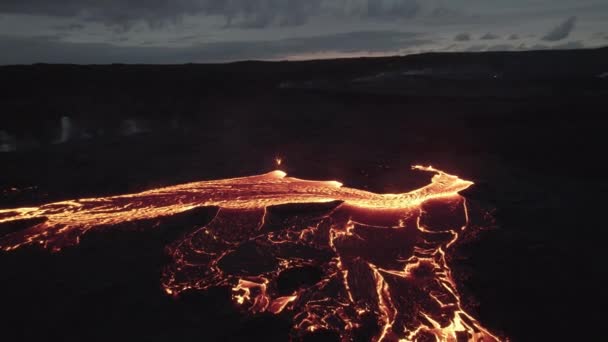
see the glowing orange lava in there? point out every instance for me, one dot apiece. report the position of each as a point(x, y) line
point(378, 261)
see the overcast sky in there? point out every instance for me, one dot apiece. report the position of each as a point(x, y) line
point(181, 31)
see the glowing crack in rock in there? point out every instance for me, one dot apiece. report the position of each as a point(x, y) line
point(327, 256)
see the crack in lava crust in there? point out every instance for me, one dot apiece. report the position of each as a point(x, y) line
point(331, 257)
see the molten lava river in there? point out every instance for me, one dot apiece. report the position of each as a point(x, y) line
point(376, 260)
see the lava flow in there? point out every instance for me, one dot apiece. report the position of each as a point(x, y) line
point(326, 256)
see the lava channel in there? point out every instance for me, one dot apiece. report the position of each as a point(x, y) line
point(370, 261)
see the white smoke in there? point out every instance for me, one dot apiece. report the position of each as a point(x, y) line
point(7, 142)
point(66, 130)
point(131, 127)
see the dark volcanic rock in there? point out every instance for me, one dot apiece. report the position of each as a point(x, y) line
point(528, 128)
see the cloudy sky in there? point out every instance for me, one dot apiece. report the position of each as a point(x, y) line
point(182, 31)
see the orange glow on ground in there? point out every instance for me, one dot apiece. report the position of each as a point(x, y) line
point(379, 256)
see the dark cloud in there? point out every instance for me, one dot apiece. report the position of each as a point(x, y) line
point(128, 41)
point(562, 31)
point(43, 49)
point(239, 13)
point(263, 13)
point(462, 37)
point(444, 12)
point(446, 16)
point(563, 46)
point(569, 45)
point(186, 38)
point(501, 47)
point(489, 36)
point(69, 27)
point(157, 12)
point(391, 9)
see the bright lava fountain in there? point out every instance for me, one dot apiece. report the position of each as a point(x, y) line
point(379, 261)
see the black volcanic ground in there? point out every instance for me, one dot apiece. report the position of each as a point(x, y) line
point(528, 128)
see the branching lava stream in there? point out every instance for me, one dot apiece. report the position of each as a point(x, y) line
point(327, 256)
